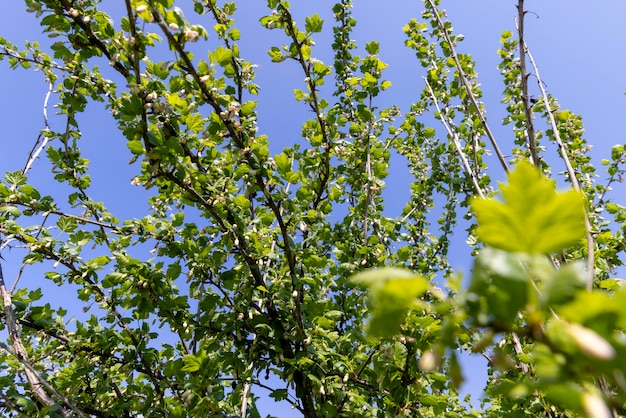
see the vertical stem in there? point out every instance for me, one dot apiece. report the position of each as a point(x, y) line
point(570, 172)
point(530, 129)
point(468, 86)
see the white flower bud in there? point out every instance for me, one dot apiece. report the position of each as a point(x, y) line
point(595, 406)
point(190, 35)
point(428, 361)
point(591, 343)
point(174, 26)
point(141, 8)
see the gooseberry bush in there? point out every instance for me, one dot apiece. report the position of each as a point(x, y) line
point(241, 264)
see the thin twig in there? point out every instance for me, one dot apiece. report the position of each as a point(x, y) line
point(457, 143)
point(24, 263)
point(468, 87)
point(570, 170)
point(42, 139)
point(530, 128)
point(517, 347)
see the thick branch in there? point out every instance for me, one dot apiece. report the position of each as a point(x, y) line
point(37, 384)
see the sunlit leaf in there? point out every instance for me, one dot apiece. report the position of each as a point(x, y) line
point(313, 23)
point(533, 218)
point(391, 293)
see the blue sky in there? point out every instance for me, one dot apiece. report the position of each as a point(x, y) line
point(578, 46)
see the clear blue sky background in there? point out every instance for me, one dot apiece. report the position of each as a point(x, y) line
point(578, 45)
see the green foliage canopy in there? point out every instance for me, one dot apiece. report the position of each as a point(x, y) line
point(257, 270)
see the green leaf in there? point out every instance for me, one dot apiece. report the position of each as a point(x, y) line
point(248, 107)
point(306, 52)
point(533, 218)
point(234, 34)
point(563, 285)
point(276, 55)
point(66, 224)
point(222, 56)
point(173, 271)
point(15, 178)
point(279, 394)
point(372, 47)
point(11, 210)
point(136, 147)
point(241, 201)
point(499, 287)
point(194, 122)
point(391, 293)
point(313, 23)
point(193, 362)
point(283, 163)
